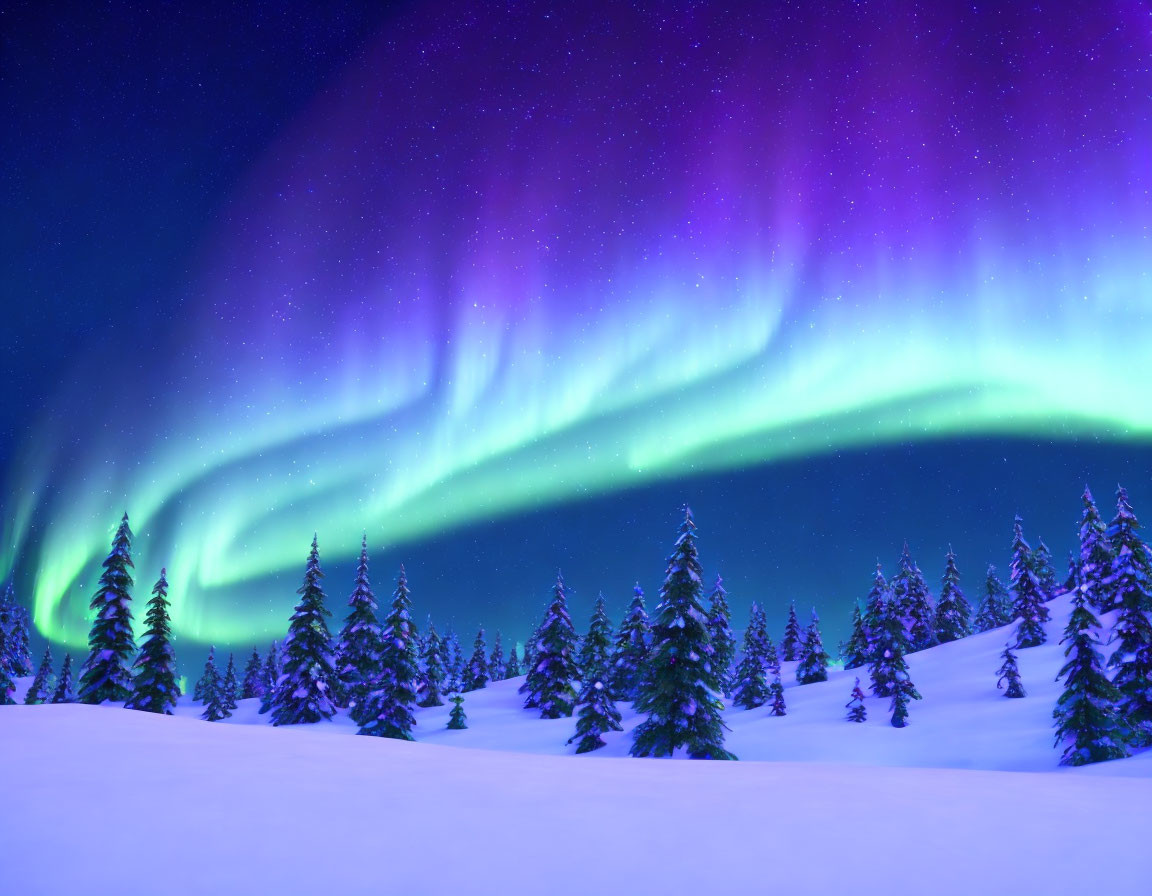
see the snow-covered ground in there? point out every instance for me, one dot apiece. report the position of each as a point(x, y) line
point(966, 800)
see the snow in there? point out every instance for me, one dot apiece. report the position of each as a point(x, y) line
point(971, 785)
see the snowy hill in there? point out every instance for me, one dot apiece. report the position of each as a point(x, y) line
point(972, 786)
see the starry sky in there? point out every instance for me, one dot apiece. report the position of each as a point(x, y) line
point(504, 287)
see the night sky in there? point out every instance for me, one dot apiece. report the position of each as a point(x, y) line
point(504, 287)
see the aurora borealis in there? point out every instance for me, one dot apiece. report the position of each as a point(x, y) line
point(511, 260)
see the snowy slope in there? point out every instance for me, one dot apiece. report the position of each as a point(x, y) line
point(100, 800)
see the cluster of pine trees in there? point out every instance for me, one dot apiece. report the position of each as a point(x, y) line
point(676, 668)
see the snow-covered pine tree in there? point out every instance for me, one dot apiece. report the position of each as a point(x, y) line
point(304, 689)
point(229, 686)
point(361, 641)
point(1124, 532)
point(209, 678)
point(253, 685)
point(105, 674)
point(889, 644)
point(453, 663)
point(1009, 672)
point(512, 669)
point(771, 654)
point(855, 650)
point(632, 644)
point(813, 663)
point(476, 674)
point(7, 677)
point(875, 607)
point(1131, 587)
point(41, 688)
point(497, 668)
point(953, 611)
point(156, 688)
point(597, 714)
point(790, 645)
point(720, 630)
point(1027, 599)
point(271, 677)
point(212, 694)
point(1073, 573)
point(63, 692)
point(433, 675)
point(1045, 571)
point(457, 720)
point(549, 684)
point(16, 623)
point(390, 704)
point(1095, 559)
point(776, 692)
point(910, 592)
point(751, 688)
point(857, 711)
point(595, 656)
point(994, 607)
point(680, 690)
point(1086, 718)
point(902, 691)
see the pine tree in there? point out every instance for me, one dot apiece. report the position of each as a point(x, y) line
point(105, 673)
point(229, 686)
point(790, 646)
point(720, 630)
point(434, 674)
point(361, 641)
point(776, 691)
point(549, 684)
point(209, 679)
point(497, 668)
point(1045, 571)
point(813, 664)
point(914, 603)
point(253, 677)
point(994, 609)
point(14, 620)
point(1124, 532)
point(857, 711)
point(1095, 560)
point(632, 645)
point(512, 670)
point(889, 644)
point(1085, 713)
point(155, 688)
point(457, 720)
point(389, 707)
point(271, 676)
point(596, 648)
point(1131, 587)
point(855, 651)
point(304, 689)
point(7, 678)
point(953, 611)
point(598, 714)
point(1073, 573)
point(1009, 673)
point(63, 692)
point(476, 674)
point(41, 688)
point(1027, 600)
point(679, 692)
point(751, 688)
point(210, 687)
point(902, 691)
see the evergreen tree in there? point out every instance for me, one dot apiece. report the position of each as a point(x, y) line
point(679, 691)
point(361, 641)
point(271, 676)
point(497, 668)
point(720, 630)
point(253, 677)
point(304, 689)
point(549, 684)
point(889, 644)
point(476, 675)
point(596, 648)
point(751, 688)
point(215, 708)
point(857, 712)
point(156, 688)
point(105, 674)
point(14, 620)
point(389, 707)
point(1085, 714)
point(776, 692)
point(457, 720)
point(995, 608)
point(902, 691)
point(875, 607)
point(229, 686)
point(209, 679)
point(598, 714)
point(1009, 674)
point(1131, 587)
point(1095, 560)
point(1124, 532)
point(434, 674)
point(41, 688)
point(855, 651)
point(914, 603)
point(632, 644)
point(63, 692)
point(1027, 600)
point(453, 663)
point(1045, 571)
point(7, 678)
point(1073, 573)
point(953, 611)
point(512, 670)
point(790, 646)
point(813, 664)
